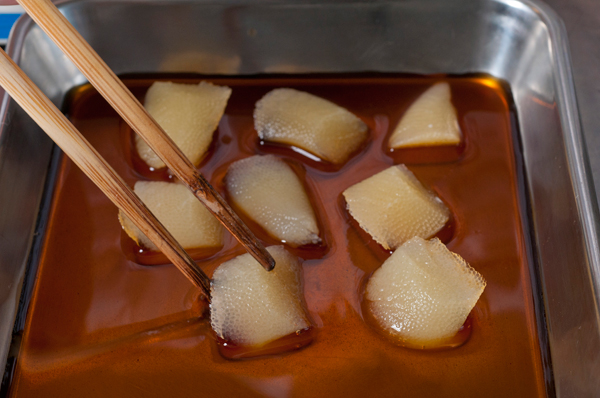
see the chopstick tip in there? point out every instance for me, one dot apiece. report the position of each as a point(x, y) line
point(270, 263)
point(265, 259)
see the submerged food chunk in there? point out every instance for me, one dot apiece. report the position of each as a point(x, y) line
point(311, 123)
point(423, 293)
point(393, 206)
point(270, 193)
point(180, 212)
point(252, 307)
point(430, 120)
point(188, 113)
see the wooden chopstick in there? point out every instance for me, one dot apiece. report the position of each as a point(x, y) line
point(70, 140)
point(64, 35)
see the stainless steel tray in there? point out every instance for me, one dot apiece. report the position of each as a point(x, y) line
point(519, 41)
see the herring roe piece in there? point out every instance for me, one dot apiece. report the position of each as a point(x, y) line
point(270, 193)
point(192, 225)
point(393, 206)
point(189, 114)
point(297, 118)
point(431, 120)
point(423, 293)
point(252, 307)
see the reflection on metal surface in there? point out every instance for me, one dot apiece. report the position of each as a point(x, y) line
point(519, 41)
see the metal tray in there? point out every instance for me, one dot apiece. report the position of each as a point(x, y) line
point(520, 41)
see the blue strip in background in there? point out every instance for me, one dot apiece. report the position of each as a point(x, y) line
point(6, 23)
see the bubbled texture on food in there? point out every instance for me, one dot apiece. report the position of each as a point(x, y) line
point(270, 193)
point(393, 206)
point(252, 307)
point(430, 120)
point(309, 122)
point(423, 293)
point(192, 225)
point(189, 114)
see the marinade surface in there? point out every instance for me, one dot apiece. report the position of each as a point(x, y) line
point(102, 324)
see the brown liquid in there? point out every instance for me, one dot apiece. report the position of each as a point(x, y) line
point(100, 324)
point(285, 344)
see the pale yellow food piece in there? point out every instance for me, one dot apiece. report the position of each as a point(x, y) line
point(252, 307)
point(189, 114)
point(181, 214)
point(393, 206)
point(318, 126)
point(270, 193)
point(423, 293)
point(430, 120)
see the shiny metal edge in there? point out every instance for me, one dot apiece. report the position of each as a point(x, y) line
point(585, 192)
point(26, 186)
point(575, 369)
point(575, 347)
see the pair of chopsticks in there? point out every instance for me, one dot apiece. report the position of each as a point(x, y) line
point(66, 136)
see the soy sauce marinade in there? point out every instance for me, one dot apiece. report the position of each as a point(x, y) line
point(102, 324)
